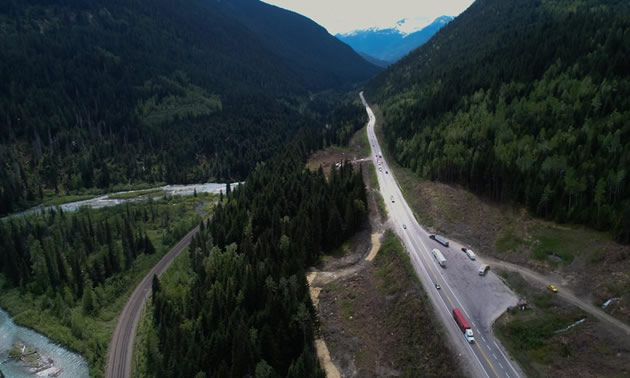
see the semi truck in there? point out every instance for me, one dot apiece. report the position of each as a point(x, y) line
point(440, 240)
point(463, 325)
point(469, 253)
point(439, 257)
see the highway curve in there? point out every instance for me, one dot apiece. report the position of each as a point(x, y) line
point(121, 347)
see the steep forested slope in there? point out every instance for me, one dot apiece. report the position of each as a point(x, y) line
point(524, 100)
point(96, 93)
point(316, 57)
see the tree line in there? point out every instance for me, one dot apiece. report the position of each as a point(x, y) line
point(94, 95)
point(247, 310)
point(531, 107)
point(68, 267)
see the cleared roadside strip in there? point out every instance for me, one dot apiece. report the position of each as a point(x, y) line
point(419, 245)
point(423, 265)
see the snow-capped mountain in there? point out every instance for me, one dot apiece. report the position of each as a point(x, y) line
point(393, 43)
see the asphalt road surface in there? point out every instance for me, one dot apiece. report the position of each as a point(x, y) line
point(121, 346)
point(482, 299)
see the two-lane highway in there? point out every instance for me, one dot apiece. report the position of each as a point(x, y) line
point(481, 298)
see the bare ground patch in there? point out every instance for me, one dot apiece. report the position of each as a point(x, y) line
point(375, 318)
point(377, 322)
point(594, 266)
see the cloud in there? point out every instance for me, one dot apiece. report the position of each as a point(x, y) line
point(342, 16)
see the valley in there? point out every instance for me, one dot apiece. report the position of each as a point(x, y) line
point(482, 223)
point(451, 201)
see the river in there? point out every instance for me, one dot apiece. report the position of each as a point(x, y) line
point(106, 201)
point(71, 364)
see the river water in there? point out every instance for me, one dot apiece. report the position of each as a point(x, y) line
point(106, 201)
point(72, 364)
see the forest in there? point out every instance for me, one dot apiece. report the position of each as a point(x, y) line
point(525, 101)
point(246, 309)
point(95, 94)
point(68, 274)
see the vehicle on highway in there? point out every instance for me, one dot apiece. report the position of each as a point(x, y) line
point(437, 286)
point(386, 172)
point(553, 288)
point(392, 198)
point(483, 269)
point(469, 253)
point(405, 226)
point(439, 257)
point(463, 325)
point(439, 239)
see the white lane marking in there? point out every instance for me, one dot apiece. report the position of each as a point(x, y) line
point(483, 338)
point(501, 366)
point(426, 249)
point(506, 359)
point(495, 356)
point(508, 376)
point(473, 323)
point(415, 256)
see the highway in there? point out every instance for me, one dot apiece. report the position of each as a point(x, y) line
point(482, 299)
point(121, 347)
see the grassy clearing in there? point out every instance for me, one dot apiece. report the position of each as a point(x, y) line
point(374, 178)
point(563, 244)
point(534, 338)
point(363, 142)
point(539, 340)
point(377, 192)
point(509, 241)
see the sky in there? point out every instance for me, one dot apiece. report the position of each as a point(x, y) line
point(343, 16)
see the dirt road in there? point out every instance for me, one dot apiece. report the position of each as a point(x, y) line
point(563, 292)
point(121, 347)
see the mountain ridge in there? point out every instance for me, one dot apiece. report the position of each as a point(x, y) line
point(306, 46)
point(391, 44)
point(102, 93)
point(515, 101)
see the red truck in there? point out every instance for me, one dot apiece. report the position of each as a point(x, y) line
point(463, 325)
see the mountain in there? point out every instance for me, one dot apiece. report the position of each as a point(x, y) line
point(523, 100)
point(374, 61)
point(96, 94)
point(391, 44)
point(317, 58)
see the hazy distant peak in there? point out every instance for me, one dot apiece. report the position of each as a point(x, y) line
point(404, 26)
point(392, 43)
